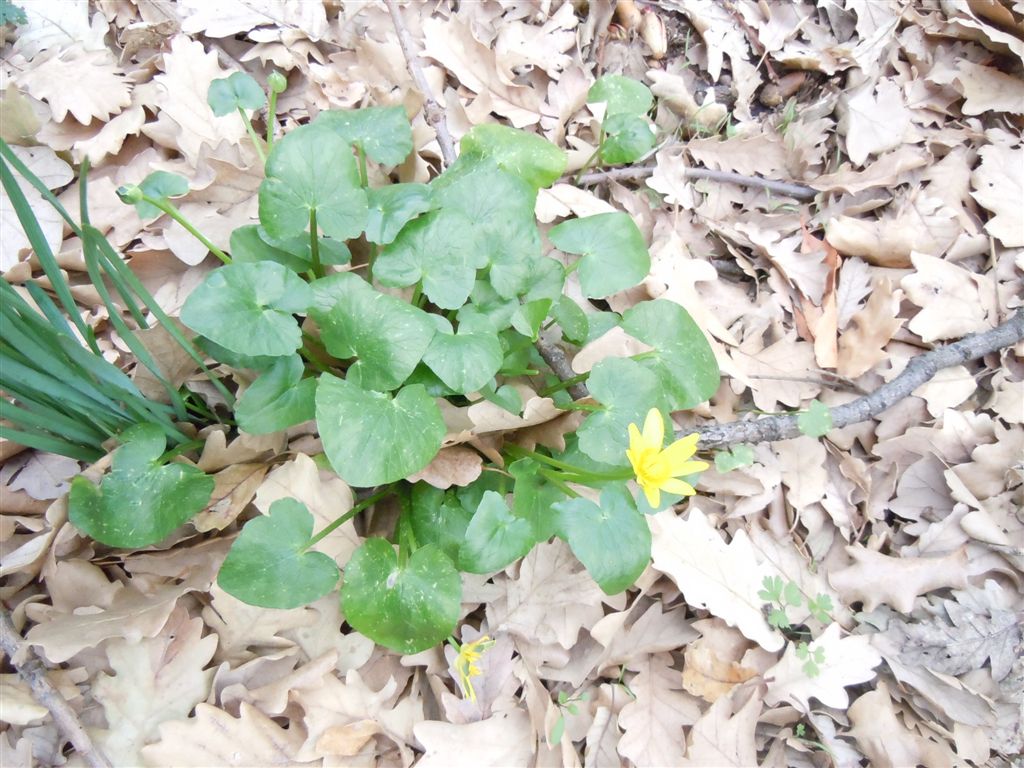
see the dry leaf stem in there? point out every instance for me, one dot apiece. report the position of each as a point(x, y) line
point(32, 671)
point(920, 370)
point(799, 191)
point(433, 112)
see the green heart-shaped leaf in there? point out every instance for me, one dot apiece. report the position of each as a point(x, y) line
point(251, 243)
point(572, 320)
point(160, 185)
point(268, 564)
point(614, 256)
point(623, 95)
point(438, 518)
point(248, 308)
point(628, 391)
point(407, 608)
point(394, 206)
point(371, 438)
point(440, 249)
point(738, 456)
point(278, 399)
point(533, 159)
point(495, 537)
point(682, 359)
point(387, 335)
point(383, 132)
point(236, 90)
point(465, 361)
point(629, 137)
point(612, 540)
point(312, 169)
point(534, 497)
point(140, 502)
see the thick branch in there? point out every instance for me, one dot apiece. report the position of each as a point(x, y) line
point(33, 672)
point(433, 112)
point(559, 364)
point(799, 191)
point(920, 370)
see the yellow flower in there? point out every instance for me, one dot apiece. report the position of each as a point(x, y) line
point(657, 470)
point(465, 664)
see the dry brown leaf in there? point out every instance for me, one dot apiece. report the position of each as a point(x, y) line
point(213, 737)
point(155, 680)
point(502, 740)
point(653, 722)
point(876, 120)
point(886, 171)
point(724, 735)
point(53, 172)
point(803, 465)
point(874, 578)
point(883, 737)
point(985, 89)
point(953, 300)
point(41, 475)
point(100, 88)
point(229, 17)
point(723, 578)
point(774, 372)
point(862, 346)
point(456, 465)
point(548, 597)
point(999, 187)
point(711, 665)
point(848, 661)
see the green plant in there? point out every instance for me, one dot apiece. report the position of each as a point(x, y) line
point(566, 703)
point(62, 396)
point(626, 134)
point(779, 595)
point(470, 290)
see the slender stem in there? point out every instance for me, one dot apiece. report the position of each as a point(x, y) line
point(314, 244)
point(555, 479)
point(168, 208)
point(363, 178)
point(252, 135)
point(417, 294)
point(182, 448)
point(564, 384)
point(589, 407)
point(271, 119)
point(372, 257)
point(369, 501)
point(520, 452)
point(590, 160)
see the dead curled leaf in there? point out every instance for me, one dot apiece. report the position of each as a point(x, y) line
point(874, 578)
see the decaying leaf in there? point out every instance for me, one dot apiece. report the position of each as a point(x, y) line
point(874, 578)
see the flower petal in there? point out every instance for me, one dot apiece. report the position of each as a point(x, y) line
point(653, 495)
point(680, 451)
point(678, 487)
point(654, 429)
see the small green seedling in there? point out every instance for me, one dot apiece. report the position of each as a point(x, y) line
point(566, 703)
point(816, 421)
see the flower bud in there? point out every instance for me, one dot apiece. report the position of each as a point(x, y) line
point(130, 194)
point(277, 82)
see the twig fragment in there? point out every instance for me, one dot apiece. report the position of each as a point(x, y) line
point(32, 671)
point(920, 370)
point(433, 112)
point(799, 191)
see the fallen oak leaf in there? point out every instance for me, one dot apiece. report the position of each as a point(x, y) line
point(874, 578)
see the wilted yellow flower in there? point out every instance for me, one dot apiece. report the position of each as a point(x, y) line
point(657, 470)
point(465, 664)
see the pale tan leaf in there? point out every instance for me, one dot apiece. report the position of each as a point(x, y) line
point(53, 172)
point(19, 706)
point(244, 630)
point(131, 615)
point(848, 661)
point(724, 735)
point(862, 345)
point(952, 300)
point(999, 187)
point(802, 460)
point(874, 578)
point(774, 372)
point(503, 740)
point(985, 89)
point(56, 24)
point(708, 671)
point(229, 17)
point(155, 680)
point(100, 88)
point(723, 578)
point(877, 120)
point(886, 171)
point(653, 722)
point(213, 737)
point(456, 465)
point(549, 598)
point(883, 737)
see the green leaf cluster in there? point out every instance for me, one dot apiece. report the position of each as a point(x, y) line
point(627, 133)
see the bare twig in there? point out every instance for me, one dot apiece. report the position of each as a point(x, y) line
point(558, 362)
point(33, 672)
point(920, 370)
point(433, 112)
point(799, 191)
